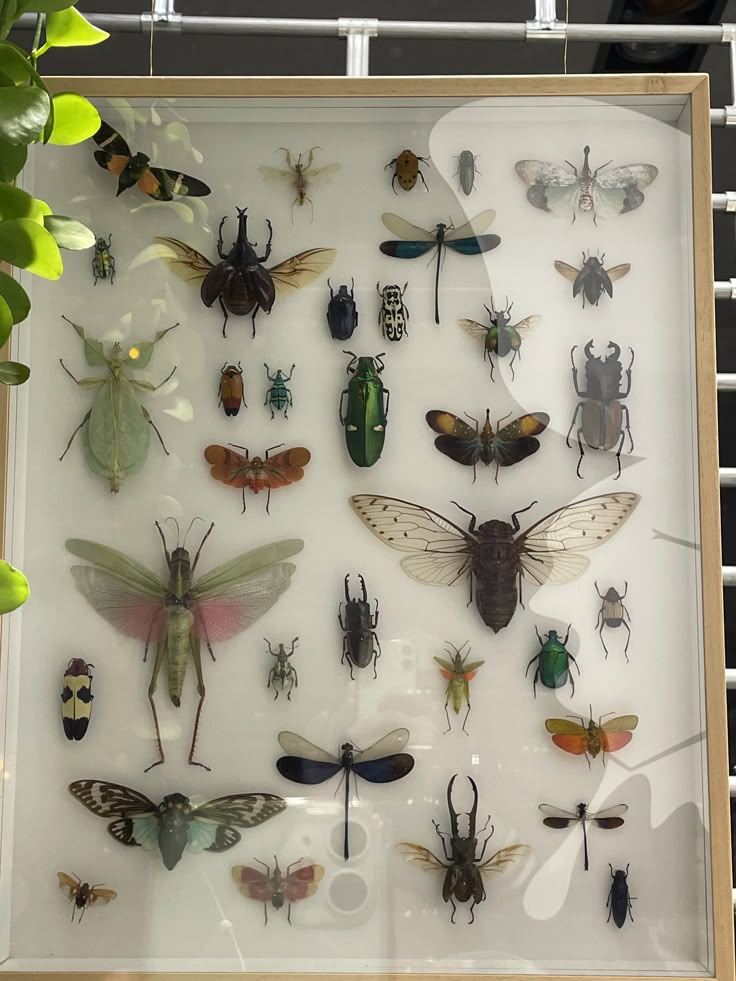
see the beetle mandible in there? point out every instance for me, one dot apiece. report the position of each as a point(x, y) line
point(613, 614)
point(360, 645)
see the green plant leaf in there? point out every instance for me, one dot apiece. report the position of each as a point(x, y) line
point(12, 160)
point(13, 373)
point(16, 64)
point(15, 296)
point(23, 113)
point(15, 203)
point(68, 28)
point(75, 119)
point(30, 246)
point(6, 321)
point(14, 588)
point(69, 233)
point(43, 6)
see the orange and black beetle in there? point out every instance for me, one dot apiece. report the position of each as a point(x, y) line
point(232, 389)
point(407, 170)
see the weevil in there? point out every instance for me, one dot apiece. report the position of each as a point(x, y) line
point(360, 644)
point(283, 672)
point(278, 395)
point(613, 614)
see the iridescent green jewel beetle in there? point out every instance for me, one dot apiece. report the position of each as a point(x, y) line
point(553, 662)
point(103, 262)
point(364, 410)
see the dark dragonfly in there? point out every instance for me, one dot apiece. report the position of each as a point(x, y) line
point(466, 240)
point(607, 819)
point(383, 762)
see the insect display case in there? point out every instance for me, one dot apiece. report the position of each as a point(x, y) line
point(379, 576)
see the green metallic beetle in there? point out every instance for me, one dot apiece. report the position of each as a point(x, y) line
point(553, 669)
point(103, 263)
point(278, 395)
point(364, 417)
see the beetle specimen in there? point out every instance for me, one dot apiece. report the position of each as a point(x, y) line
point(277, 887)
point(76, 698)
point(158, 183)
point(240, 281)
point(607, 819)
point(495, 556)
point(103, 262)
point(300, 175)
point(82, 894)
point(553, 667)
point(283, 672)
point(117, 433)
point(507, 446)
point(278, 395)
point(258, 474)
point(592, 280)
point(342, 313)
point(613, 614)
point(619, 897)
point(466, 170)
point(458, 675)
point(603, 415)
point(175, 824)
point(181, 613)
point(564, 192)
point(591, 738)
point(364, 409)
point(406, 170)
point(360, 644)
point(231, 389)
point(383, 762)
point(465, 240)
point(501, 337)
point(393, 315)
point(464, 870)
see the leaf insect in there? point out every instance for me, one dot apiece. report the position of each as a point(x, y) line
point(495, 556)
point(464, 870)
point(240, 281)
point(619, 897)
point(465, 240)
point(300, 175)
point(76, 699)
point(231, 389)
point(407, 169)
point(507, 446)
point(560, 191)
point(467, 170)
point(608, 819)
point(158, 183)
point(103, 262)
point(176, 824)
point(501, 337)
point(256, 473)
point(181, 613)
point(117, 429)
point(383, 762)
point(283, 672)
point(613, 614)
point(278, 394)
point(82, 894)
point(592, 279)
point(278, 887)
point(458, 674)
point(590, 738)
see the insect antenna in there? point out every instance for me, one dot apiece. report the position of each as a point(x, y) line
point(176, 525)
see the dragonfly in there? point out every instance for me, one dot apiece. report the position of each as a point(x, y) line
point(466, 240)
point(383, 762)
point(607, 819)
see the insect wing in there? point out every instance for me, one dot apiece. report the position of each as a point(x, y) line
point(505, 856)
point(618, 272)
point(296, 745)
point(114, 154)
point(307, 763)
point(473, 328)
point(68, 885)
point(108, 800)
point(516, 441)
point(610, 817)
point(286, 467)
point(322, 173)
point(213, 824)
point(385, 770)
point(556, 817)
point(130, 611)
point(392, 742)
point(472, 228)
point(302, 269)
point(525, 325)
point(229, 467)
point(570, 736)
point(232, 572)
point(618, 191)
point(552, 188)
point(406, 250)
point(185, 262)
point(447, 670)
point(421, 856)
point(404, 229)
point(225, 613)
point(99, 896)
point(566, 270)
point(276, 173)
point(252, 883)
point(459, 441)
point(616, 733)
point(474, 245)
point(120, 565)
point(302, 883)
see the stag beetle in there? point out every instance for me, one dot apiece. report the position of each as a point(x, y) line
point(602, 412)
point(360, 645)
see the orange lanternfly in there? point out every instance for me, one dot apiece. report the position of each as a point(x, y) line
point(458, 674)
point(590, 739)
point(82, 894)
point(232, 389)
point(407, 170)
point(276, 887)
point(257, 473)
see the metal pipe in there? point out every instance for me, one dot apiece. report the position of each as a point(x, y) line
point(727, 476)
point(725, 290)
point(729, 575)
point(732, 786)
point(730, 677)
point(725, 383)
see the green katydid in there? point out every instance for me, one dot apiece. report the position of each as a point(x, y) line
point(117, 436)
point(181, 613)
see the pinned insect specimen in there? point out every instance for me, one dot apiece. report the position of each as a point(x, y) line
point(619, 897)
point(393, 316)
point(458, 675)
point(181, 613)
point(608, 819)
point(232, 389)
point(301, 175)
point(553, 662)
point(383, 762)
point(76, 698)
point(501, 337)
point(283, 672)
point(158, 183)
point(602, 420)
point(117, 429)
point(82, 894)
point(277, 887)
point(175, 824)
point(364, 410)
point(240, 281)
point(278, 394)
point(342, 313)
point(103, 263)
point(464, 870)
point(495, 556)
point(564, 192)
point(592, 280)
point(406, 170)
point(466, 170)
point(360, 644)
point(465, 240)
point(591, 738)
point(613, 614)
point(257, 474)
point(507, 446)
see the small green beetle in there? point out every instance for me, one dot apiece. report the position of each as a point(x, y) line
point(278, 396)
point(365, 416)
point(553, 669)
point(103, 263)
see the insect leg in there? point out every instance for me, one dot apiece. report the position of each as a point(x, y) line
point(152, 424)
point(161, 655)
point(620, 448)
point(582, 453)
point(447, 714)
point(253, 320)
point(112, 270)
point(628, 428)
point(442, 836)
point(575, 663)
point(376, 653)
point(225, 314)
point(511, 364)
point(472, 914)
point(454, 910)
point(71, 438)
point(466, 718)
point(196, 656)
point(628, 638)
point(423, 180)
point(578, 407)
point(219, 239)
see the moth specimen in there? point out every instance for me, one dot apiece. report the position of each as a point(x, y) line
point(278, 888)
point(267, 473)
point(590, 738)
point(82, 894)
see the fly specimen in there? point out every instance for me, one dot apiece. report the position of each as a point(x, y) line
point(607, 819)
point(592, 279)
point(300, 175)
point(383, 762)
point(458, 674)
point(465, 240)
point(278, 887)
point(591, 738)
point(501, 337)
point(82, 894)
point(495, 555)
point(181, 613)
point(258, 474)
